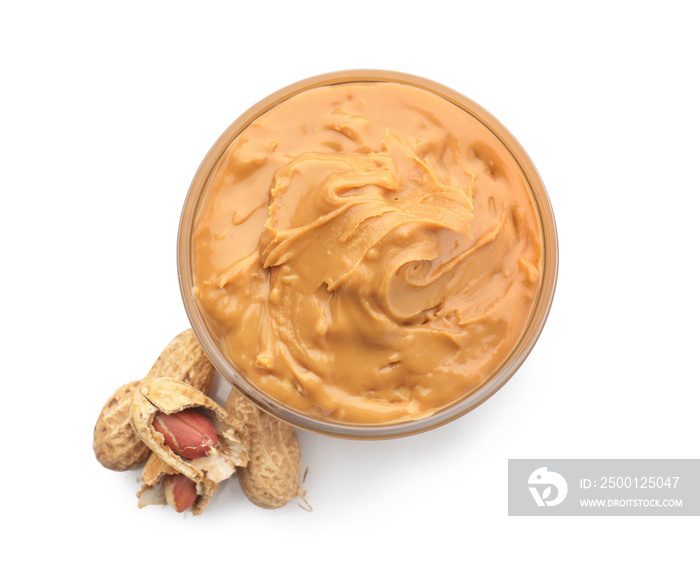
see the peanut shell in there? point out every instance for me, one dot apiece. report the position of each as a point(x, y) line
point(271, 478)
point(152, 491)
point(115, 444)
point(168, 396)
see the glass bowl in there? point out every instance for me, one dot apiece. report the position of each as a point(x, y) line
point(494, 382)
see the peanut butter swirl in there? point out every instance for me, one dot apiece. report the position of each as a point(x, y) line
point(367, 252)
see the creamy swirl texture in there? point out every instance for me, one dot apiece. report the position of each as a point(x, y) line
point(367, 252)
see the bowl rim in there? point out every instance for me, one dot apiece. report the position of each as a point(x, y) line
point(538, 315)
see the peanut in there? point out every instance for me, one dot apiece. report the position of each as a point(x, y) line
point(180, 492)
point(155, 475)
point(169, 396)
point(189, 433)
point(115, 444)
point(271, 478)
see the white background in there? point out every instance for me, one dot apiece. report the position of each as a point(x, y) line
point(107, 110)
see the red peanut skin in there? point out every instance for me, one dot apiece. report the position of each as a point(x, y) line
point(180, 491)
point(189, 433)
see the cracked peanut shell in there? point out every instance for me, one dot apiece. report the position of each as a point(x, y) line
point(115, 444)
point(168, 395)
point(153, 492)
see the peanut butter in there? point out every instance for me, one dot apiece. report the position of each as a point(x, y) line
point(367, 252)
